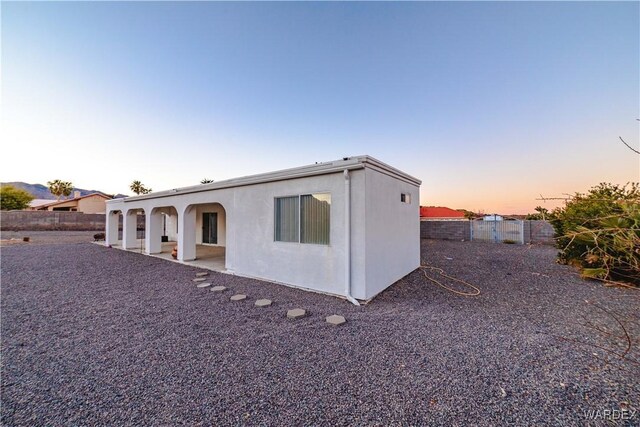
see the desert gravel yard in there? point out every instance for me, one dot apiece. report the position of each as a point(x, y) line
point(99, 336)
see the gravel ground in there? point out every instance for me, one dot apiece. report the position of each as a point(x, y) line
point(46, 237)
point(98, 336)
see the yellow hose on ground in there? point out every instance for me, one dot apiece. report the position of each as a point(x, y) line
point(425, 268)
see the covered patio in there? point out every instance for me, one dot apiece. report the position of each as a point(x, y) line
point(155, 231)
point(209, 257)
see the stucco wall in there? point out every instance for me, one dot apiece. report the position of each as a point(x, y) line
point(246, 228)
point(92, 204)
point(256, 253)
point(392, 231)
point(249, 231)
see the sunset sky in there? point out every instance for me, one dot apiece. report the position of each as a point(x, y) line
point(490, 104)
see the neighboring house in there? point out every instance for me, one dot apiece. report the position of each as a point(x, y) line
point(37, 203)
point(347, 227)
point(439, 213)
point(91, 203)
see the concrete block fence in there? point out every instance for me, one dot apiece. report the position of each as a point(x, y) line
point(539, 232)
point(445, 230)
point(534, 231)
point(51, 220)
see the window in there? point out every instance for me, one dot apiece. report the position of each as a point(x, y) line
point(303, 219)
point(286, 219)
point(405, 198)
point(314, 218)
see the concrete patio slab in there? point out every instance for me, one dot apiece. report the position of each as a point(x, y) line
point(218, 289)
point(203, 285)
point(238, 297)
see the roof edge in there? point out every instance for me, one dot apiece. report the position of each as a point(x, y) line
point(390, 170)
point(336, 166)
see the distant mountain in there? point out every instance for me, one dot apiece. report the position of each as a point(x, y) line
point(40, 191)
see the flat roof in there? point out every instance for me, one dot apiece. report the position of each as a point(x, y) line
point(336, 166)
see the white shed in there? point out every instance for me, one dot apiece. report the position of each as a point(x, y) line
point(350, 227)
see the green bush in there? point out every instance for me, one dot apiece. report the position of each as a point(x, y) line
point(600, 232)
point(12, 198)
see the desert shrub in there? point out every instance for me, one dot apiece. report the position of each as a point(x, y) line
point(541, 213)
point(600, 232)
point(12, 198)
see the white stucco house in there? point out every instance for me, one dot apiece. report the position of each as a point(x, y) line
point(349, 227)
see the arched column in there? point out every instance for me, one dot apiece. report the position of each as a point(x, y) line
point(187, 234)
point(129, 229)
point(111, 232)
point(153, 232)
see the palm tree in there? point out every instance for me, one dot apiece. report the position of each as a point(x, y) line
point(206, 181)
point(138, 188)
point(60, 188)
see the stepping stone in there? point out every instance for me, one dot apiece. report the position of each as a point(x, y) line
point(202, 274)
point(199, 279)
point(218, 289)
point(296, 313)
point(238, 297)
point(263, 303)
point(203, 285)
point(336, 320)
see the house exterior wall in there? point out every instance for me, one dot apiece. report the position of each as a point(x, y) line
point(92, 204)
point(384, 233)
point(256, 254)
point(249, 231)
point(392, 231)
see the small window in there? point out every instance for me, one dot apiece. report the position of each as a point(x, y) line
point(405, 198)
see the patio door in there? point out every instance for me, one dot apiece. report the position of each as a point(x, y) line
point(210, 227)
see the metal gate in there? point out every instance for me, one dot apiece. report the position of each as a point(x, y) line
point(500, 231)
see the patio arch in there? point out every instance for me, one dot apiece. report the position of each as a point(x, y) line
point(113, 223)
point(160, 228)
point(202, 233)
point(130, 239)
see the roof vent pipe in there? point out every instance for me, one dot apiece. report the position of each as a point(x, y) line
point(347, 238)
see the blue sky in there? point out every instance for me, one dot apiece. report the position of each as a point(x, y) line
point(490, 104)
